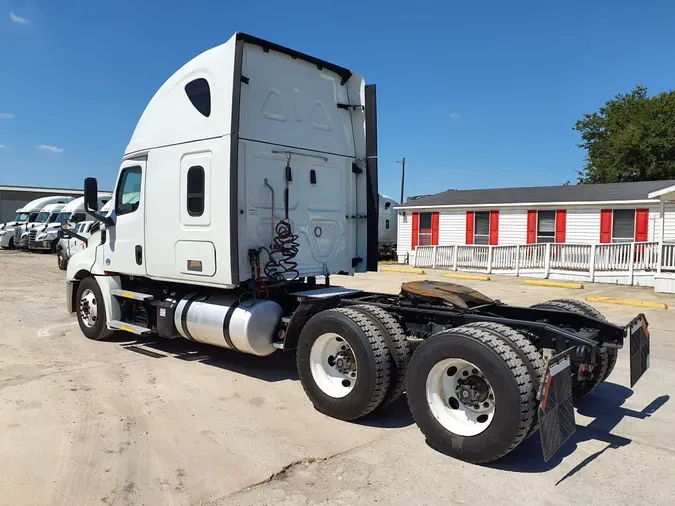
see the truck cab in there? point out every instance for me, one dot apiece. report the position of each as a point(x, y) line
point(26, 217)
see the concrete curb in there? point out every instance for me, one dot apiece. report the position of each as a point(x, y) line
point(457, 275)
point(405, 270)
point(553, 284)
point(627, 302)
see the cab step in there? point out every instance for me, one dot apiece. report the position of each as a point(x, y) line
point(127, 294)
point(129, 327)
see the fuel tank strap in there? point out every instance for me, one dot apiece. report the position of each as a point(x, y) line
point(183, 316)
point(226, 325)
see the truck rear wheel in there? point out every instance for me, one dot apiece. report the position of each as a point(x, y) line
point(91, 310)
point(594, 313)
point(470, 394)
point(528, 353)
point(399, 349)
point(343, 363)
point(605, 358)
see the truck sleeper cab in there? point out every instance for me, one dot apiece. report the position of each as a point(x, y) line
point(252, 173)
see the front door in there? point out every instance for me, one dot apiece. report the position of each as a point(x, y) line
point(124, 247)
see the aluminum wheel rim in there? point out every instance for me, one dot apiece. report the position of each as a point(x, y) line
point(88, 308)
point(333, 365)
point(450, 380)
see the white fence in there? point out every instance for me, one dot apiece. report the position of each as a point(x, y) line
point(622, 261)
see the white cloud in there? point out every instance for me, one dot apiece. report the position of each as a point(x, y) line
point(6, 115)
point(18, 20)
point(454, 115)
point(46, 147)
point(3, 146)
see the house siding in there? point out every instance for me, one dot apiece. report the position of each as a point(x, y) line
point(452, 227)
point(512, 226)
point(583, 226)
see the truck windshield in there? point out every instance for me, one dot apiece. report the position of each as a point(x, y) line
point(52, 217)
point(42, 218)
point(62, 218)
point(21, 217)
point(32, 217)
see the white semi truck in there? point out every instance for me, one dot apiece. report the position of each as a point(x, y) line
point(45, 237)
point(252, 173)
point(26, 217)
point(75, 238)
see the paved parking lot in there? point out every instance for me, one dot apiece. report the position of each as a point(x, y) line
point(171, 422)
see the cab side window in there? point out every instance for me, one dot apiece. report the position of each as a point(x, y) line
point(129, 191)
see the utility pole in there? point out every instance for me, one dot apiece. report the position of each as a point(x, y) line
point(402, 162)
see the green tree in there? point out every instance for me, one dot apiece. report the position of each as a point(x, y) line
point(631, 138)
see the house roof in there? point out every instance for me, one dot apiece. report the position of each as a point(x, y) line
point(586, 193)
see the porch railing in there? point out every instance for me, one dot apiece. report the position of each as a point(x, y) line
point(581, 259)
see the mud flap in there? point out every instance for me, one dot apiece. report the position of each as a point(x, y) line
point(639, 348)
point(556, 407)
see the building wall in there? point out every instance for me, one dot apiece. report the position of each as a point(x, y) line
point(11, 200)
point(583, 225)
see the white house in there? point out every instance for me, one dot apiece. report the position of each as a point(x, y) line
point(634, 216)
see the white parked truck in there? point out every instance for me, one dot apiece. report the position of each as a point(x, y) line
point(73, 241)
point(388, 225)
point(26, 217)
point(252, 173)
point(46, 236)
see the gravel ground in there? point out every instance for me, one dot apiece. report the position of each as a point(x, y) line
point(171, 422)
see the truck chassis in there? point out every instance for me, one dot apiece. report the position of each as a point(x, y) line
point(480, 376)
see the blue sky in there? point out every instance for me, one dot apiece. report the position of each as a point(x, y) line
point(473, 94)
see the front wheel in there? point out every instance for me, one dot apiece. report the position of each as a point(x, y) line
point(61, 259)
point(91, 310)
point(469, 393)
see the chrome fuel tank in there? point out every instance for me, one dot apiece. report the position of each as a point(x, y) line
point(222, 320)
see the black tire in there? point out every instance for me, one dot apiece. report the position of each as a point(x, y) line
point(11, 243)
point(590, 311)
point(399, 349)
point(61, 260)
point(370, 352)
point(521, 341)
point(506, 373)
point(601, 369)
point(98, 331)
point(55, 243)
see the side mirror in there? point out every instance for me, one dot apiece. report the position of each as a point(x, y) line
point(91, 194)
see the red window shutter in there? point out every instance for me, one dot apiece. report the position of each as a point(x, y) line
point(434, 228)
point(494, 227)
point(469, 227)
point(605, 225)
point(531, 227)
point(642, 225)
point(415, 229)
point(560, 225)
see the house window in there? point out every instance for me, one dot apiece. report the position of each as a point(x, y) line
point(386, 224)
point(623, 225)
point(387, 205)
point(546, 226)
point(424, 236)
point(481, 227)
